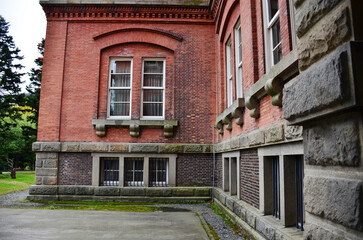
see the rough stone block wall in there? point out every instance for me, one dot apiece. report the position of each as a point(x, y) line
point(75, 169)
point(249, 169)
point(194, 170)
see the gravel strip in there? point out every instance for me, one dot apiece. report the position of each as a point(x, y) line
point(216, 221)
point(12, 200)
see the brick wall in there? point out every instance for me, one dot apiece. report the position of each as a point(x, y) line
point(250, 177)
point(75, 169)
point(219, 171)
point(82, 80)
point(194, 170)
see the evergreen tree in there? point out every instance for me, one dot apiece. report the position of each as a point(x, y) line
point(10, 96)
point(32, 99)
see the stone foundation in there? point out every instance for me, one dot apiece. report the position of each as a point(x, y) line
point(137, 194)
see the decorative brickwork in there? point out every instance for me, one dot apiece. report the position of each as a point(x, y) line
point(250, 177)
point(194, 170)
point(75, 169)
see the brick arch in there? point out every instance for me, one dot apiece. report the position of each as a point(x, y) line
point(138, 35)
point(225, 19)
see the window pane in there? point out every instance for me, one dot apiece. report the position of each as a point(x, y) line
point(153, 95)
point(109, 171)
point(153, 80)
point(153, 67)
point(277, 54)
point(120, 80)
point(134, 168)
point(152, 109)
point(273, 6)
point(119, 109)
point(120, 95)
point(276, 37)
point(121, 67)
point(239, 45)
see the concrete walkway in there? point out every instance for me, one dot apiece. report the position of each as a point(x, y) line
point(68, 224)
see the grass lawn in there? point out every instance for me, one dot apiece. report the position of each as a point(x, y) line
point(22, 182)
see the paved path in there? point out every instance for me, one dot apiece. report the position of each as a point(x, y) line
point(68, 224)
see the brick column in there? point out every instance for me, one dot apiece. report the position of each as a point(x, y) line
point(326, 98)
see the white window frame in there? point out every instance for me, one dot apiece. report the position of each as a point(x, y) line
point(268, 24)
point(237, 46)
point(229, 72)
point(161, 88)
point(115, 88)
point(171, 170)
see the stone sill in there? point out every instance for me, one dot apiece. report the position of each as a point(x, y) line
point(271, 83)
point(234, 111)
point(134, 126)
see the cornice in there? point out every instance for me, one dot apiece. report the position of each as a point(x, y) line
point(125, 12)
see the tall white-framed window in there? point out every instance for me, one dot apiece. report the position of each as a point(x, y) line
point(238, 58)
point(119, 88)
point(229, 73)
point(153, 88)
point(272, 32)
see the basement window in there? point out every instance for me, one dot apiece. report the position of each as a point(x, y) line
point(109, 175)
point(134, 172)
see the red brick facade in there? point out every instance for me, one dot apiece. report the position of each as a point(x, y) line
point(82, 40)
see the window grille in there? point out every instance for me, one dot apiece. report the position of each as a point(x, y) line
point(158, 172)
point(299, 193)
point(276, 187)
point(134, 172)
point(109, 171)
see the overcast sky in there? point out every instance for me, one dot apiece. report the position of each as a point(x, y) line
point(27, 26)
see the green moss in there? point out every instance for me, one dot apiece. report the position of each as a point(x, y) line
point(231, 224)
point(119, 208)
point(193, 2)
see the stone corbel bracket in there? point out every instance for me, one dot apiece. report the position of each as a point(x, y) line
point(273, 87)
point(235, 111)
point(272, 83)
point(253, 105)
point(134, 126)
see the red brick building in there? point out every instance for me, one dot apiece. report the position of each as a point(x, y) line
point(146, 99)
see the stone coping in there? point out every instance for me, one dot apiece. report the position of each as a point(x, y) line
point(252, 221)
point(74, 192)
point(275, 134)
point(130, 2)
point(103, 147)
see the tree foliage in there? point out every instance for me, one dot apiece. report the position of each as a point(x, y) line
point(10, 96)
